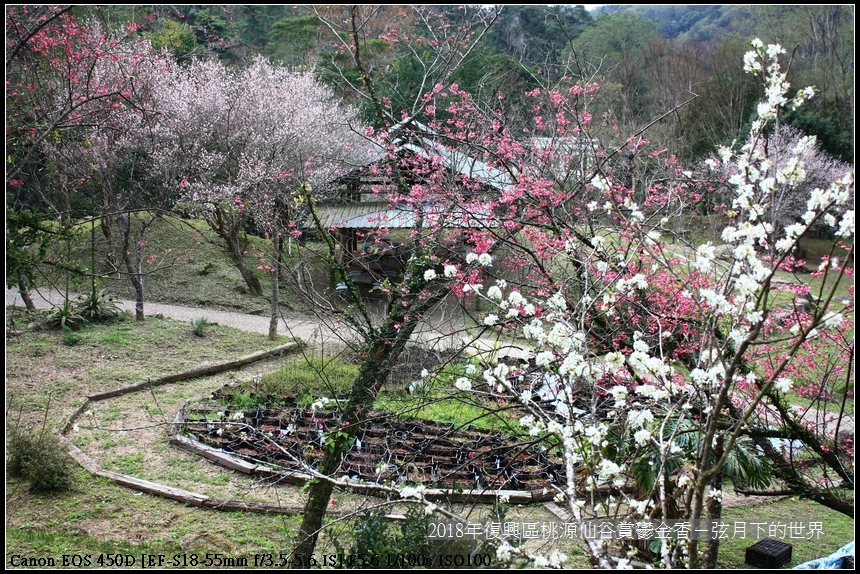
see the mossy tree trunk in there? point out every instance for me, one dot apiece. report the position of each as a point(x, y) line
point(276, 277)
point(381, 352)
point(134, 272)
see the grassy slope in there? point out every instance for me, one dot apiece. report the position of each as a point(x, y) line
point(191, 267)
point(47, 379)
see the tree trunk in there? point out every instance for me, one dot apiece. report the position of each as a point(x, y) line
point(381, 354)
point(273, 321)
point(64, 206)
point(110, 255)
point(225, 225)
point(134, 275)
point(715, 510)
point(24, 291)
point(239, 260)
point(373, 372)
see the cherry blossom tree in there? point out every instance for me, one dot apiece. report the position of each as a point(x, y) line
point(239, 143)
point(79, 109)
point(664, 345)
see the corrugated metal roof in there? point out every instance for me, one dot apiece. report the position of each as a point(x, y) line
point(365, 215)
point(370, 215)
point(461, 163)
point(420, 140)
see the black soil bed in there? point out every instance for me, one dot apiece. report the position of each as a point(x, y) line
point(417, 452)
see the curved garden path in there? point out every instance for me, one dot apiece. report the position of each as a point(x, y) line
point(307, 328)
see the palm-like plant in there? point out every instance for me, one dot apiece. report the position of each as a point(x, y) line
point(65, 316)
point(97, 306)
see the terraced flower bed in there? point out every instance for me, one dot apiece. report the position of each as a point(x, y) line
point(417, 452)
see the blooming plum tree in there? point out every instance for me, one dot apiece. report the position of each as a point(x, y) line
point(663, 345)
point(237, 144)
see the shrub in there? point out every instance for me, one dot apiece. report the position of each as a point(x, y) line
point(66, 315)
point(200, 326)
point(70, 337)
point(375, 535)
point(97, 306)
point(247, 401)
point(40, 459)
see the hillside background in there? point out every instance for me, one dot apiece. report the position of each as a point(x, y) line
point(648, 57)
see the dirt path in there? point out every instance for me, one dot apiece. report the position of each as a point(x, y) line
point(307, 328)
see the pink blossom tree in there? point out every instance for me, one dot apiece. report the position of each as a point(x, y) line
point(80, 106)
point(50, 80)
point(240, 143)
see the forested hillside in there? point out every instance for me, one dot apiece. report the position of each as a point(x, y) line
point(823, 37)
point(651, 58)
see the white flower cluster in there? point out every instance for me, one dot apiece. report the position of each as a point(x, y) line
point(783, 384)
point(639, 418)
point(544, 358)
point(320, 404)
point(642, 437)
point(619, 393)
point(494, 293)
point(614, 360)
point(600, 183)
point(638, 281)
point(463, 384)
point(608, 469)
point(792, 173)
point(775, 79)
point(533, 425)
point(484, 259)
point(416, 492)
point(503, 551)
point(646, 366)
point(555, 559)
point(654, 393)
point(596, 434)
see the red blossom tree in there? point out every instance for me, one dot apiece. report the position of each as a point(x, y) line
point(79, 108)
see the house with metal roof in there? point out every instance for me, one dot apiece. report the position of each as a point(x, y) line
point(362, 210)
